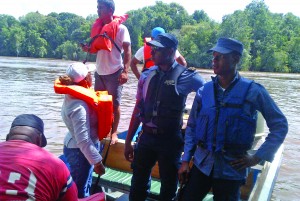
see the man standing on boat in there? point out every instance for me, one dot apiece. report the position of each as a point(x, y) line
point(110, 38)
point(221, 129)
point(160, 101)
point(144, 54)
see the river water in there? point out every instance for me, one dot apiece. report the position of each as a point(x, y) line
point(26, 86)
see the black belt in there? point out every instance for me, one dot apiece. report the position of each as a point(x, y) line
point(156, 131)
point(150, 130)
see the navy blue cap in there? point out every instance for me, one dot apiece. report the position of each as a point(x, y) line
point(228, 45)
point(33, 121)
point(164, 40)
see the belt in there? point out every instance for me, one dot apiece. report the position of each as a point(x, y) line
point(150, 130)
point(156, 131)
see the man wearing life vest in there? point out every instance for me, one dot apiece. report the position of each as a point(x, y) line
point(111, 68)
point(160, 101)
point(221, 129)
point(144, 54)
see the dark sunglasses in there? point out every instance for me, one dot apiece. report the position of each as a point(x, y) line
point(218, 57)
point(155, 48)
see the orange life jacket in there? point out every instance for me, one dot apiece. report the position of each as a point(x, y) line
point(101, 35)
point(98, 100)
point(148, 62)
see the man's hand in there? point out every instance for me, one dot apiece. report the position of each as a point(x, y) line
point(183, 172)
point(114, 138)
point(128, 152)
point(123, 77)
point(99, 168)
point(84, 47)
point(245, 162)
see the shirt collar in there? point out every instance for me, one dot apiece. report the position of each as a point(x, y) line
point(216, 80)
point(172, 67)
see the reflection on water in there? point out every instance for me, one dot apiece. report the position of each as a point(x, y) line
point(26, 86)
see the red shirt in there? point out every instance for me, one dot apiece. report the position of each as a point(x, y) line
point(29, 171)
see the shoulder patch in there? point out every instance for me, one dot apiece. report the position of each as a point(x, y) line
point(191, 68)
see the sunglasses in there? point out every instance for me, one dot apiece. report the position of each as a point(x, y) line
point(218, 57)
point(155, 48)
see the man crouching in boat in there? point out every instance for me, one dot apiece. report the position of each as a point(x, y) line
point(221, 129)
point(160, 102)
point(29, 172)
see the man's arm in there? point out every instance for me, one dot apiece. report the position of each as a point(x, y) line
point(181, 60)
point(190, 133)
point(63, 177)
point(133, 126)
point(81, 121)
point(276, 122)
point(71, 192)
point(189, 143)
point(133, 65)
point(127, 55)
point(138, 57)
point(84, 47)
point(135, 121)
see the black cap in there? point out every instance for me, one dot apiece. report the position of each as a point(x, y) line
point(228, 45)
point(164, 40)
point(33, 121)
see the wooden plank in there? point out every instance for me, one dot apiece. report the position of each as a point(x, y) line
point(116, 158)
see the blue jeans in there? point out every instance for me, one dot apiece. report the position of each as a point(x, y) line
point(200, 184)
point(81, 170)
point(167, 151)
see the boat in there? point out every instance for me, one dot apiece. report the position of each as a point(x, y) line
point(116, 181)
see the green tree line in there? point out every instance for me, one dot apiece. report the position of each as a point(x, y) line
point(271, 40)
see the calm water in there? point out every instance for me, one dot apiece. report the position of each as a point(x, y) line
point(26, 86)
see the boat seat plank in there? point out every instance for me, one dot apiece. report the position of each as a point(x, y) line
point(122, 180)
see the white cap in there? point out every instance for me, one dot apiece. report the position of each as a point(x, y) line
point(77, 71)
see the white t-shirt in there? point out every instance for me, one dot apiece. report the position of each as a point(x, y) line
point(139, 55)
point(110, 62)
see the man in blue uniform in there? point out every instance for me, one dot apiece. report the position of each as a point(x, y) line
point(160, 101)
point(221, 129)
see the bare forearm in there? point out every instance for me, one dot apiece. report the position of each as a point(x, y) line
point(127, 56)
point(133, 126)
point(181, 60)
point(134, 68)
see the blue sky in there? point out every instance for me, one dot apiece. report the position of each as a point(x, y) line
point(215, 9)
